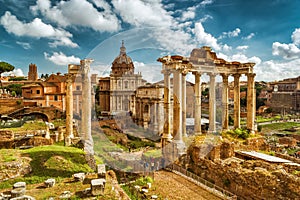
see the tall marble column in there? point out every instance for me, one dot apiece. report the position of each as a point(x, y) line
point(69, 110)
point(167, 137)
point(183, 100)
point(177, 113)
point(155, 125)
point(237, 104)
point(212, 103)
point(251, 107)
point(197, 117)
point(86, 106)
point(225, 102)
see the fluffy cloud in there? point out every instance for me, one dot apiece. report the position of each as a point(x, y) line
point(231, 34)
point(79, 12)
point(287, 51)
point(296, 36)
point(143, 12)
point(188, 14)
point(248, 37)
point(274, 70)
point(242, 47)
point(204, 38)
point(15, 72)
point(61, 59)
point(206, 2)
point(36, 29)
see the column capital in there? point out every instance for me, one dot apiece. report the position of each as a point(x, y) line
point(252, 75)
point(197, 73)
point(184, 72)
point(212, 74)
point(224, 75)
point(69, 78)
point(236, 75)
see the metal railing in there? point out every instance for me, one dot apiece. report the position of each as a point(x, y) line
point(224, 194)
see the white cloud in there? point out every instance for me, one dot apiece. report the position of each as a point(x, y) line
point(188, 14)
point(231, 34)
point(206, 2)
point(204, 38)
point(296, 36)
point(226, 48)
point(287, 51)
point(36, 29)
point(248, 37)
point(273, 70)
point(205, 18)
point(25, 45)
point(79, 12)
point(15, 72)
point(61, 59)
point(143, 12)
point(245, 47)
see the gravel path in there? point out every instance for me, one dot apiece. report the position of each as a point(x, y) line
point(174, 187)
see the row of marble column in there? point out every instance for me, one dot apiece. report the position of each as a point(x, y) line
point(179, 103)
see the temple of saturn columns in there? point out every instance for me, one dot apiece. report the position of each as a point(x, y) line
point(201, 61)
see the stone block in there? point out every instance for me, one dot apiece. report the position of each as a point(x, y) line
point(97, 186)
point(50, 182)
point(25, 197)
point(19, 185)
point(101, 171)
point(65, 195)
point(18, 192)
point(79, 176)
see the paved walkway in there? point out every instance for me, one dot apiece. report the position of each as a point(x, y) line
point(172, 186)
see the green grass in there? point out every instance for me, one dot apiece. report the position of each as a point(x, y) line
point(36, 125)
point(154, 153)
point(49, 162)
point(279, 127)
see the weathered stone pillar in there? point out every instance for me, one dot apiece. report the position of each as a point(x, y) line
point(183, 100)
point(197, 117)
point(47, 100)
point(212, 103)
point(167, 137)
point(86, 111)
point(237, 104)
point(225, 102)
point(63, 103)
point(69, 110)
point(251, 102)
point(155, 116)
point(177, 112)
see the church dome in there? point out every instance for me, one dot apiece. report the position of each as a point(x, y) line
point(122, 64)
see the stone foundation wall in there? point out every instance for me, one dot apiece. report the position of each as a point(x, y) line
point(250, 179)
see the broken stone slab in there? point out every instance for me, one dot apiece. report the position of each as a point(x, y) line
point(154, 197)
point(101, 171)
point(65, 195)
point(49, 182)
point(18, 192)
point(79, 176)
point(25, 197)
point(19, 185)
point(97, 186)
point(148, 185)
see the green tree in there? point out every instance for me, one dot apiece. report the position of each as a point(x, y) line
point(17, 88)
point(5, 67)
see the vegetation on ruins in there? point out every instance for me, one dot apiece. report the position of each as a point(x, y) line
point(5, 67)
point(238, 133)
point(17, 88)
point(53, 161)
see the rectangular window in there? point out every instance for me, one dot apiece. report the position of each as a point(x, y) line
point(77, 87)
point(55, 98)
point(37, 91)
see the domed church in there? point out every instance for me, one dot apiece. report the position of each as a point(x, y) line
point(116, 90)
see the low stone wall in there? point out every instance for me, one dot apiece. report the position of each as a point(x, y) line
point(252, 179)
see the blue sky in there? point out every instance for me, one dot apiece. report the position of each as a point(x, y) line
point(54, 33)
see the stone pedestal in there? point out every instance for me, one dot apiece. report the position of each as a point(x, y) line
point(97, 186)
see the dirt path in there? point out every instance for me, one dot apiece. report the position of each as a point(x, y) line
point(169, 186)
